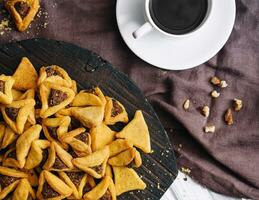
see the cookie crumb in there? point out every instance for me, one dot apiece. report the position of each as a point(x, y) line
point(238, 104)
point(210, 129)
point(206, 111)
point(186, 104)
point(215, 80)
point(229, 117)
point(215, 94)
point(185, 170)
point(223, 84)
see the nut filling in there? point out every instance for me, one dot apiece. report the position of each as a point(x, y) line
point(116, 108)
point(6, 180)
point(84, 137)
point(22, 8)
point(56, 97)
point(12, 154)
point(106, 196)
point(53, 132)
point(48, 192)
point(76, 177)
point(52, 72)
point(59, 164)
point(29, 197)
point(12, 113)
point(2, 86)
point(45, 155)
point(87, 188)
point(98, 169)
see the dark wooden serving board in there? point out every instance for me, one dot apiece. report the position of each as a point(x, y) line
point(87, 68)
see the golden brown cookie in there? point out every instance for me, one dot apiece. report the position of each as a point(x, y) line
point(23, 12)
point(101, 135)
point(56, 75)
point(37, 153)
point(16, 114)
point(124, 158)
point(6, 84)
point(24, 142)
point(90, 97)
point(25, 76)
point(127, 179)
point(119, 146)
point(54, 128)
point(58, 159)
point(9, 179)
point(95, 163)
point(23, 191)
point(114, 112)
point(10, 159)
point(80, 140)
point(54, 98)
point(137, 133)
point(76, 180)
point(51, 187)
point(104, 190)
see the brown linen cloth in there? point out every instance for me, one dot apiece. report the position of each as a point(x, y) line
point(226, 161)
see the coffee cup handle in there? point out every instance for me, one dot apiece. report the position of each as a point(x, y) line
point(143, 30)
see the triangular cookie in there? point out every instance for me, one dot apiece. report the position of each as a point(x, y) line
point(54, 128)
point(90, 97)
point(127, 179)
point(25, 76)
point(118, 146)
point(93, 164)
point(54, 98)
point(6, 84)
point(56, 75)
point(58, 159)
point(114, 112)
point(80, 140)
point(101, 135)
point(52, 187)
point(137, 133)
point(16, 114)
point(90, 117)
point(124, 158)
point(36, 153)
point(10, 159)
point(23, 191)
point(9, 179)
point(104, 190)
point(76, 181)
point(23, 12)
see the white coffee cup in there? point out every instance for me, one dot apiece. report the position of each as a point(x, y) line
point(150, 25)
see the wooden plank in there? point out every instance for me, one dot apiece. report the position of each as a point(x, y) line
point(87, 68)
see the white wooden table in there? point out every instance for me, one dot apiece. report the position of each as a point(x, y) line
point(189, 190)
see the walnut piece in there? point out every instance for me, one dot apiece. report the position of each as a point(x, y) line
point(215, 94)
point(229, 117)
point(238, 104)
point(215, 80)
point(223, 84)
point(206, 111)
point(209, 129)
point(186, 104)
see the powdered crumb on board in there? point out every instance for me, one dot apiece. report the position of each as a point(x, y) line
point(158, 185)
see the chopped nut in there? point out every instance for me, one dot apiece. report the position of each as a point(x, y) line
point(223, 84)
point(185, 170)
point(215, 94)
point(209, 129)
point(229, 117)
point(206, 111)
point(215, 80)
point(186, 104)
point(238, 104)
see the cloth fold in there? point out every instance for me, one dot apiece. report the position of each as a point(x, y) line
point(225, 161)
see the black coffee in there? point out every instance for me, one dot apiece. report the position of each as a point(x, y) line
point(178, 16)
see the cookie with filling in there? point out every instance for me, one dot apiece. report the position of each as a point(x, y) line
point(6, 85)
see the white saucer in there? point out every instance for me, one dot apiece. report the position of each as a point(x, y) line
point(176, 53)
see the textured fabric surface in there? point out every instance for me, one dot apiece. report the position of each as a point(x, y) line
point(226, 161)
